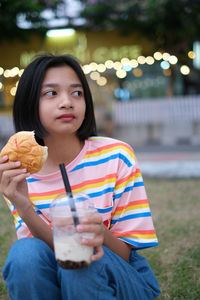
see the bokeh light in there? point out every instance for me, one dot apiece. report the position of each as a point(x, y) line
point(164, 65)
point(137, 72)
point(185, 70)
point(191, 54)
point(158, 55)
point(101, 81)
point(173, 59)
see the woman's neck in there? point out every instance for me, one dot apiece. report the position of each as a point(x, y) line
point(60, 150)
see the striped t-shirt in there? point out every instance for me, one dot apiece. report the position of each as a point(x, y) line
point(106, 169)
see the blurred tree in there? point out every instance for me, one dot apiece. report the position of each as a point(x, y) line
point(30, 10)
point(172, 25)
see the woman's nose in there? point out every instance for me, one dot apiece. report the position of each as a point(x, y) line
point(65, 100)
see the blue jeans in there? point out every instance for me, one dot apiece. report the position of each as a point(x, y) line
point(32, 273)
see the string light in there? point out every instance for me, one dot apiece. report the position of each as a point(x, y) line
point(185, 70)
point(137, 72)
point(191, 54)
point(173, 60)
point(109, 64)
point(166, 56)
point(1, 70)
point(158, 55)
point(117, 65)
point(86, 69)
point(94, 75)
point(121, 67)
point(121, 73)
point(93, 66)
point(127, 67)
point(125, 60)
point(6, 73)
point(141, 60)
point(165, 65)
point(133, 63)
point(101, 68)
point(101, 81)
point(149, 60)
point(13, 91)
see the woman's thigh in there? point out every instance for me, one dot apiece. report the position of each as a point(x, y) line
point(30, 271)
point(109, 278)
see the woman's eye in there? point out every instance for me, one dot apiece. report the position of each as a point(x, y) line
point(77, 93)
point(50, 93)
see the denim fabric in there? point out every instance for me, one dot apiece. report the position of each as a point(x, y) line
point(32, 273)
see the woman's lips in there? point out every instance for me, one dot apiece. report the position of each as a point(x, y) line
point(66, 117)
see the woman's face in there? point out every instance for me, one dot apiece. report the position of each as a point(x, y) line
point(62, 103)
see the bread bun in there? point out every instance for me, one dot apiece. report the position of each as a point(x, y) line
point(23, 147)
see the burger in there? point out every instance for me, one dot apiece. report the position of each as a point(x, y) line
point(23, 147)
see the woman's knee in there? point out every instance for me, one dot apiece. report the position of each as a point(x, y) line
point(30, 261)
point(26, 255)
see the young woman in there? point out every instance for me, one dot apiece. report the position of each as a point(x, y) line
point(53, 99)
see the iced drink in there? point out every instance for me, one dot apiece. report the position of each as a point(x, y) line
point(69, 252)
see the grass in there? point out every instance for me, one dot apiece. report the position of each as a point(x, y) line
point(175, 206)
point(7, 237)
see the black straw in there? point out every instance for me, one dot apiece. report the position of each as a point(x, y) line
point(69, 193)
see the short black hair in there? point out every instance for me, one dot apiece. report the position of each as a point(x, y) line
point(26, 102)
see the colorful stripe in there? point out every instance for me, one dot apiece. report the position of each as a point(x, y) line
point(139, 244)
point(103, 161)
point(108, 149)
point(132, 216)
point(107, 171)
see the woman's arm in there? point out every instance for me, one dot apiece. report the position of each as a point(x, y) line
point(102, 236)
point(116, 245)
point(13, 186)
point(39, 228)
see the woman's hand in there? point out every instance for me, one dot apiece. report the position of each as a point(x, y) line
point(13, 183)
point(93, 224)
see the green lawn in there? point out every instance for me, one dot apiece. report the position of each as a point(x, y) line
point(7, 237)
point(175, 206)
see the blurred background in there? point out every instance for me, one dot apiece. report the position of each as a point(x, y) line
point(142, 60)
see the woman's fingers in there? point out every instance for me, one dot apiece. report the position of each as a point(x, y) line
point(3, 159)
point(8, 165)
point(14, 181)
point(10, 181)
point(96, 240)
point(98, 254)
point(96, 228)
point(93, 224)
point(94, 218)
point(5, 166)
point(8, 175)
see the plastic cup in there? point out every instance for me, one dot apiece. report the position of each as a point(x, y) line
point(69, 252)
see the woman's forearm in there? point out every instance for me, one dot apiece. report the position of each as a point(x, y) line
point(37, 226)
point(116, 245)
point(41, 230)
